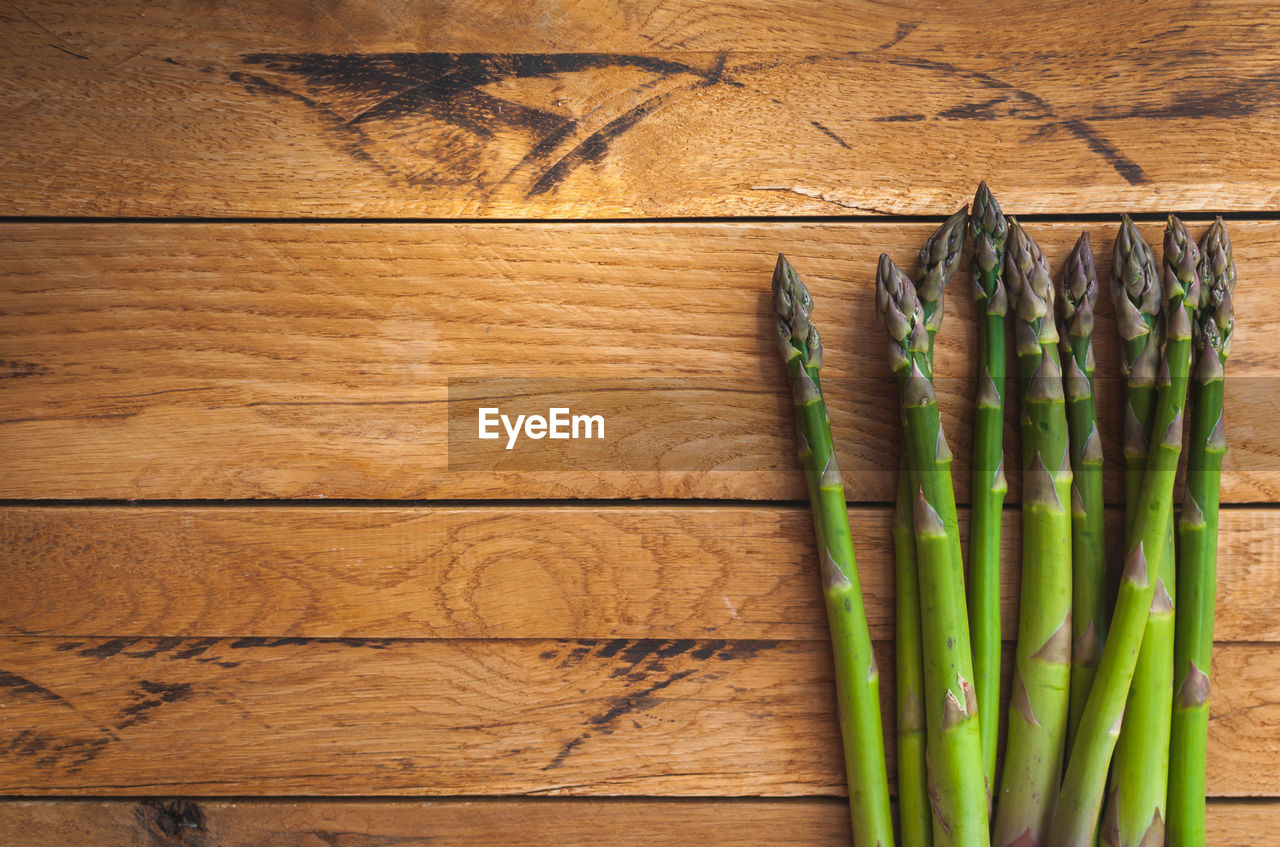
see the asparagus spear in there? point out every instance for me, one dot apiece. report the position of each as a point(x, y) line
point(988, 228)
point(1039, 701)
point(1198, 534)
point(857, 679)
point(1088, 552)
point(1135, 293)
point(914, 818)
point(1076, 817)
point(956, 790)
point(1140, 770)
point(939, 259)
point(1136, 296)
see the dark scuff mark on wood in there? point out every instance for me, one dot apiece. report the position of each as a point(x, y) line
point(1040, 110)
point(564, 752)
point(618, 707)
point(628, 703)
point(161, 645)
point(151, 695)
point(447, 87)
point(354, 146)
point(612, 648)
point(897, 119)
point(197, 648)
point(829, 134)
point(743, 650)
point(109, 648)
point(1098, 143)
point(247, 643)
point(171, 822)
point(21, 685)
point(981, 111)
point(903, 29)
point(707, 649)
point(639, 660)
point(12, 369)
point(595, 147)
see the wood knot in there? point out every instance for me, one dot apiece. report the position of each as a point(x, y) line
point(172, 821)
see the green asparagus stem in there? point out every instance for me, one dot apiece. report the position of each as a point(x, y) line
point(1039, 701)
point(1076, 819)
point(956, 790)
point(915, 819)
point(939, 259)
point(1088, 552)
point(857, 679)
point(1198, 534)
point(1136, 296)
point(988, 228)
point(1139, 772)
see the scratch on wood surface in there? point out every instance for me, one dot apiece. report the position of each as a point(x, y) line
point(815, 194)
point(827, 132)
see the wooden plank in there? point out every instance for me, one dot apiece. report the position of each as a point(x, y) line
point(368, 717)
point(291, 361)
point(491, 572)
point(639, 108)
point(477, 823)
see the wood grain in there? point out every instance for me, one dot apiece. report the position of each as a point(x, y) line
point(305, 361)
point(631, 108)
point(479, 823)
point(496, 717)
point(492, 572)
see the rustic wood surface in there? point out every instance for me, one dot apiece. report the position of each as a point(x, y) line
point(633, 107)
point(479, 823)
point(447, 642)
point(287, 360)
point(541, 572)
point(629, 717)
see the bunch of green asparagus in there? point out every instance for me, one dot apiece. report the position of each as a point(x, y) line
point(1107, 712)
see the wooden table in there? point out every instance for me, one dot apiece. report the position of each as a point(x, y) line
point(244, 599)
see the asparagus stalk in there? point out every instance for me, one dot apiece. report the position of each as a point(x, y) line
point(857, 679)
point(988, 228)
point(914, 818)
point(1135, 293)
point(939, 259)
point(1136, 296)
point(1198, 534)
point(1076, 817)
point(1088, 551)
point(1140, 771)
point(1039, 701)
point(956, 790)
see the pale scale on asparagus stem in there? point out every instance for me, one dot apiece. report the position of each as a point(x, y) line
point(857, 679)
